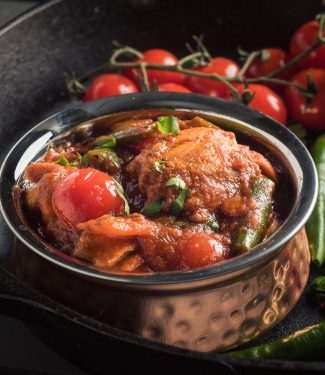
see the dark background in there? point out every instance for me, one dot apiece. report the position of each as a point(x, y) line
point(21, 351)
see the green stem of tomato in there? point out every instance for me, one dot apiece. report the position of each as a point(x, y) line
point(251, 57)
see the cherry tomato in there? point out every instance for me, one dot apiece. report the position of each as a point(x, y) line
point(161, 57)
point(270, 60)
point(86, 194)
point(109, 85)
point(173, 87)
point(266, 101)
point(312, 116)
point(201, 250)
point(302, 39)
point(219, 65)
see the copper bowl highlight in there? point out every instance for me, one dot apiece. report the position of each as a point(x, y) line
point(212, 308)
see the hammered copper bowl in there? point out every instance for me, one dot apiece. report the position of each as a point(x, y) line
point(212, 308)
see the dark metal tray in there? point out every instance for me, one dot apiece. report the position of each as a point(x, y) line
point(75, 35)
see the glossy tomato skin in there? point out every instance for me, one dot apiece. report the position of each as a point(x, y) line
point(201, 250)
point(266, 101)
point(109, 85)
point(220, 65)
point(161, 57)
point(313, 115)
point(85, 195)
point(173, 87)
point(302, 39)
point(276, 58)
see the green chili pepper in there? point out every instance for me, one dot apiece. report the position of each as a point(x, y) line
point(318, 286)
point(105, 142)
point(299, 343)
point(104, 159)
point(316, 224)
point(253, 225)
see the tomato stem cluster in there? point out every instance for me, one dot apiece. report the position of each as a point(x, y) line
point(199, 57)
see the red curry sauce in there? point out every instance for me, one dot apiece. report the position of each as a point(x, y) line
point(155, 194)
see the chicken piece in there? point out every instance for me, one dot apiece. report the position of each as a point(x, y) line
point(103, 251)
point(43, 178)
point(131, 263)
point(109, 241)
point(210, 162)
point(118, 226)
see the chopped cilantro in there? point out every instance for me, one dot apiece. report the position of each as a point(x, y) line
point(156, 166)
point(63, 161)
point(178, 204)
point(176, 181)
point(168, 125)
point(154, 208)
point(213, 225)
point(120, 192)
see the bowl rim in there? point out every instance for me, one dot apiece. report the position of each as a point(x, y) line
point(62, 121)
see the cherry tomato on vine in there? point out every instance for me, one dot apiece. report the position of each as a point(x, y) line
point(201, 250)
point(86, 194)
point(311, 115)
point(303, 38)
point(219, 65)
point(109, 85)
point(270, 60)
point(161, 57)
point(266, 101)
point(173, 87)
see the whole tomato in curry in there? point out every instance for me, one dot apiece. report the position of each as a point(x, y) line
point(86, 194)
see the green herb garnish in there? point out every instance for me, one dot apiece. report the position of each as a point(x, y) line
point(120, 192)
point(213, 225)
point(168, 125)
point(105, 142)
point(85, 160)
point(176, 181)
point(178, 204)
point(154, 208)
point(63, 161)
point(156, 166)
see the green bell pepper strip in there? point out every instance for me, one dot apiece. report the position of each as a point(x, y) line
point(254, 223)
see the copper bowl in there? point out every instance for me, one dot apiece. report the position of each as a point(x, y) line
point(212, 308)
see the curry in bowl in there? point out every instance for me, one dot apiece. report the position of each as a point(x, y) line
point(161, 193)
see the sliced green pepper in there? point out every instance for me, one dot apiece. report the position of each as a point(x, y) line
point(253, 225)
